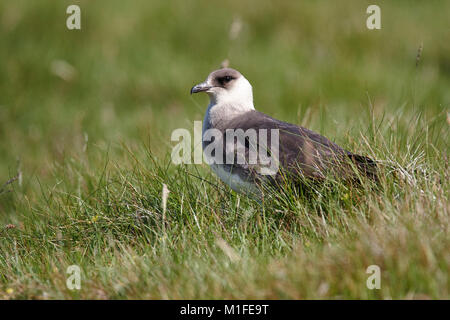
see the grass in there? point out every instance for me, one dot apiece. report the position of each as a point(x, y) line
point(90, 148)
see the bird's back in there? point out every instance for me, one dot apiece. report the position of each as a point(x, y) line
point(301, 151)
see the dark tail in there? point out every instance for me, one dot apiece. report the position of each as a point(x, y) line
point(365, 165)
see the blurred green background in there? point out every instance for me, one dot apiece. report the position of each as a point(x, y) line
point(125, 76)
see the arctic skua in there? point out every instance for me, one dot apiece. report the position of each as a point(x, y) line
point(301, 153)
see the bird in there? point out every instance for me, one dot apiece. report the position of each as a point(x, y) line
point(301, 154)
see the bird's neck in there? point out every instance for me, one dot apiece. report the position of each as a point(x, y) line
point(221, 112)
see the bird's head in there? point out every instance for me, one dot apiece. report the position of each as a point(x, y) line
point(226, 86)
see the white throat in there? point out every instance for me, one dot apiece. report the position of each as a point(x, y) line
point(224, 104)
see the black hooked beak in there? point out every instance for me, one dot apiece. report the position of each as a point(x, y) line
point(200, 87)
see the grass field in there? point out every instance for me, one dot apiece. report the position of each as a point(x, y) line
point(85, 123)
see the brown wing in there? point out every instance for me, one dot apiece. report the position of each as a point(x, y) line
point(302, 152)
point(299, 148)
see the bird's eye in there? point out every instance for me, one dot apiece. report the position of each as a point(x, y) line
point(226, 79)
